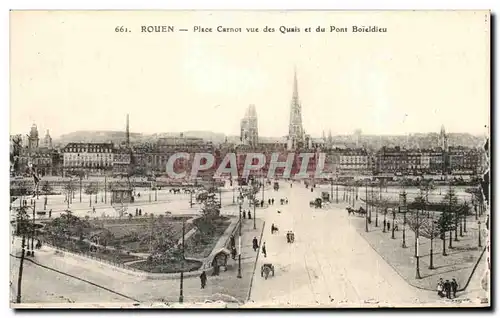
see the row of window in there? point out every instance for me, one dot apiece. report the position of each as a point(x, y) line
point(89, 149)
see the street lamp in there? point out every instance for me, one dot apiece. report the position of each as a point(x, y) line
point(239, 238)
point(393, 221)
point(385, 222)
point(254, 206)
point(479, 233)
point(404, 228)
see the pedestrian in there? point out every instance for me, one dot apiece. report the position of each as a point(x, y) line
point(454, 287)
point(140, 212)
point(385, 224)
point(50, 213)
point(136, 211)
point(286, 201)
point(203, 279)
point(272, 201)
point(288, 238)
point(440, 288)
point(264, 251)
point(255, 244)
point(249, 215)
point(244, 214)
point(262, 203)
point(269, 201)
point(447, 289)
point(388, 226)
point(233, 252)
point(232, 241)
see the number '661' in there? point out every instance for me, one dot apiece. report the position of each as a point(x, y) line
point(121, 29)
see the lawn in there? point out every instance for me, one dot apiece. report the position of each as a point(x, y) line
point(120, 236)
point(83, 248)
point(133, 235)
point(201, 244)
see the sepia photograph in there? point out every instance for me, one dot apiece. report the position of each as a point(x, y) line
point(249, 159)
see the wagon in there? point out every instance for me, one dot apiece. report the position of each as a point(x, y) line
point(266, 269)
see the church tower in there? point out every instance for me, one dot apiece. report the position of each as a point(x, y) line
point(443, 139)
point(250, 127)
point(47, 140)
point(33, 139)
point(295, 129)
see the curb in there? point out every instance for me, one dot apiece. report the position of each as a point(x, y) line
point(473, 270)
point(255, 264)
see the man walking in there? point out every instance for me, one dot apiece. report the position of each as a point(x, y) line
point(264, 251)
point(454, 287)
point(233, 241)
point(447, 289)
point(255, 244)
point(203, 279)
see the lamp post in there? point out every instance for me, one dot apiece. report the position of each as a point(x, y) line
point(254, 226)
point(393, 221)
point(385, 221)
point(417, 257)
point(181, 294)
point(80, 188)
point(479, 233)
point(431, 254)
point(239, 239)
point(20, 274)
point(366, 204)
point(337, 190)
point(331, 189)
point(404, 227)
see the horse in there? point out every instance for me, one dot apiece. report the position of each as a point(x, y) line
point(274, 229)
point(266, 269)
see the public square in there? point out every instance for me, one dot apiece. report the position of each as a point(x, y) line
point(329, 264)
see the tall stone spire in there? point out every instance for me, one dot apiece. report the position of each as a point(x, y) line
point(128, 134)
point(295, 129)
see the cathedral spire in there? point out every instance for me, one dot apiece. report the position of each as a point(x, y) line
point(295, 129)
point(128, 134)
point(295, 84)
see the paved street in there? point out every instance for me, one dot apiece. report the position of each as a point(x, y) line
point(329, 263)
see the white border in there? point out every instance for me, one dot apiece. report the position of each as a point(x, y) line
point(6, 5)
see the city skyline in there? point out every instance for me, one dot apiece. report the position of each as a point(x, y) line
point(176, 83)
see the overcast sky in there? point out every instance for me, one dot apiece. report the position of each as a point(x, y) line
point(71, 71)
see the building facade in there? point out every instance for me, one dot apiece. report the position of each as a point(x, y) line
point(89, 158)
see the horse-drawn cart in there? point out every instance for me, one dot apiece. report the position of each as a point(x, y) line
point(317, 203)
point(266, 269)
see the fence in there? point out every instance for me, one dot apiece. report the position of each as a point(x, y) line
point(92, 256)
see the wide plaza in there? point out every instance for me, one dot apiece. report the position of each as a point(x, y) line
point(331, 263)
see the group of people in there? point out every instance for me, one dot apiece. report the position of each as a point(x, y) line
point(447, 289)
point(290, 237)
point(247, 213)
point(284, 201)
point(387, 225)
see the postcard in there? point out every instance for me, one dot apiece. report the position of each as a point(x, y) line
point(249, 159)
